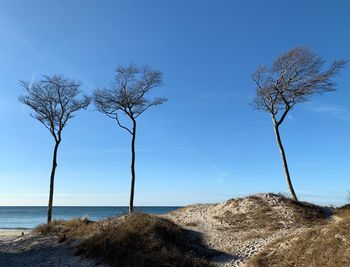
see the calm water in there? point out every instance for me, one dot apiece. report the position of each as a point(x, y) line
point(29, 217)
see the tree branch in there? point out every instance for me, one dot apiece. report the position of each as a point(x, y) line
point(120, 125)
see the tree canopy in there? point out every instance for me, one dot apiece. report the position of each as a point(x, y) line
point(293, 78)
point(53, 100)
point(128, 93)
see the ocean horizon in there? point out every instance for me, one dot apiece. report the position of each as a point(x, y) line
point(28, 217)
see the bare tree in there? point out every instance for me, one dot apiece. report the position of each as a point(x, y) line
point(128, 96)
point(54, 100)
point(293, 78)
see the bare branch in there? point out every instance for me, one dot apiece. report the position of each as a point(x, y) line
point(286, 110)
point(120, 125)
point(293, 78)
point(53, 101)
point(127, 95)
point(155, 102)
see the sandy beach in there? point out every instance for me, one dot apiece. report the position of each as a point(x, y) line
point(238, 229)
point(12, 233)
point(17, 250)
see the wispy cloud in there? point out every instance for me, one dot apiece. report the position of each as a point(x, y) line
point(32, 78)
point(324, 198)
point(14, 35)
point(43, 58)
point(334, 110)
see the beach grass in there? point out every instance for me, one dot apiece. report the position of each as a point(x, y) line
point(325, 245)
point(132, 240)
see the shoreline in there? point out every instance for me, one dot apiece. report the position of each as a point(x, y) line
point(8, 233)
point(15, 228)
point(237, 232)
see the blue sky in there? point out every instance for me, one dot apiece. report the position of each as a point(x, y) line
point(206, 144)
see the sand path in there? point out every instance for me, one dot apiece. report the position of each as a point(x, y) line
point(36, 250)
point(237, 246)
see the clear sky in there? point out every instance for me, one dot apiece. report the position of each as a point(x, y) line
point(206, 144)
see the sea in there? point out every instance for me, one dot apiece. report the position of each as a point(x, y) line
point(29, 217)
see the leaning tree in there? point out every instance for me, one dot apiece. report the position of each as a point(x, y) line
point(292, 78)
point(127, 96)
point(53, 100)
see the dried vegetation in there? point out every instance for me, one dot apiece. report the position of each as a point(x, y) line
point(133, 240)
point(325, 245)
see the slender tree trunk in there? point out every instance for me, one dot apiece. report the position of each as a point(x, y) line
point(284, 160)
point(52, 181)
point(131, 204)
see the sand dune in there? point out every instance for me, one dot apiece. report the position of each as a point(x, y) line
point(237, 229)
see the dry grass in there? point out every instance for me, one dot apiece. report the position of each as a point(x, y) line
point(343, 212)
point(307, 214)
point(323, 245)
point(261, 214)
point(134, 240)
point(75, 228)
